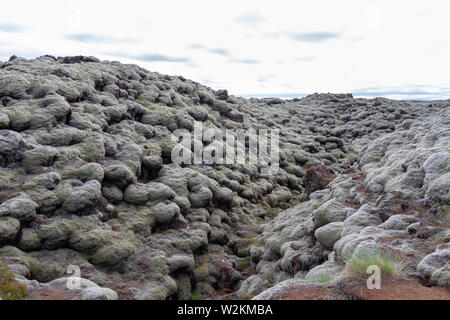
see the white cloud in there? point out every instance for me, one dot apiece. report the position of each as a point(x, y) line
point(320, 46)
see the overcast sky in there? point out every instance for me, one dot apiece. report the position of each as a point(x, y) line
point(397, 49)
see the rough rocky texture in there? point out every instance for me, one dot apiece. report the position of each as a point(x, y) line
point(385, 202)
point(87, 180)
point(59, 290)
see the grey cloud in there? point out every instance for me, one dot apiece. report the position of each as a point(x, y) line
point(409, 91)
point(159, 58)
point(443, 93)
point(11, 27)
point(313, 36)
point(275, 34)
point(305, 59)
point(193, 65)
point(221, 51)
point(5, 54)
point(407, 88)
point(151, 57)
point(265, 77)
point(274, 95)
point(196, 46)
point(92, 38)
point(245, 61)
point(251, 19)
point(412, 92)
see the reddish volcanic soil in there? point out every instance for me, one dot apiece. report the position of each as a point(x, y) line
point(353, 289)
point(398, 290)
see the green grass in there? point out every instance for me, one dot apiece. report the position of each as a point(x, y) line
point(446, 210)
point(10, 288)
point(254, 241)
point(244, 263)
point(321, 279)
point(389, 264)
point(439, 237)
point(318, 205)
point(294, 201)
point(271, 212)
point(196, 296)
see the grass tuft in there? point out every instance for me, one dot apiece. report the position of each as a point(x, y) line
point(197, 296)
point(271, 212)
point(446, 210)
point(321, 279)
point(254, 241)
point(10, 288)
point(390, 265)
